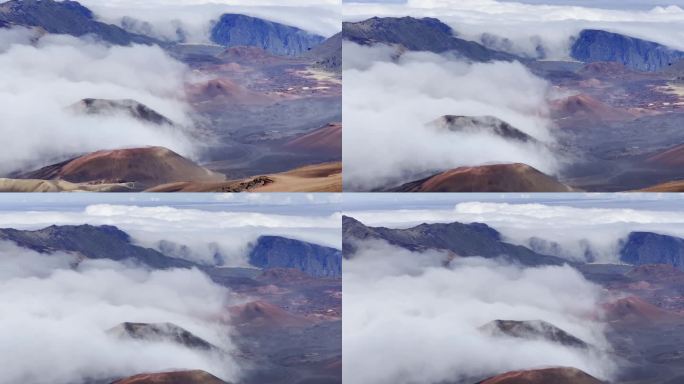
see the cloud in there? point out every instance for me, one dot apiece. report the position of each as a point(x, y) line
point(17, 262)
point(584, 234)
point(527, 26)
point(58, 71)
point(194, 17)
point(408, 319)
point(387, 104)
point(204, 232)
point(54, 322)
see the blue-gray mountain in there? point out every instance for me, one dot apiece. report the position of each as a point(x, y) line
point(643, 248)
point(65, 17)
point(279, 252)
point(426, 34)
point(108, 242)
point(93, 242)
point(474, 239)
point(233, 30)
point(595, 45)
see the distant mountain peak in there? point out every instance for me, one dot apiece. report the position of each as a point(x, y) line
point(65, 17)
point(233, 29)
point(532, 330)
point(426, 34)
point(464, 240)
point(481, 124)
point(93, 242)
point(128, 107)
point(280, 252)
point(594, 45)
point(160, 332)
point(642, 248)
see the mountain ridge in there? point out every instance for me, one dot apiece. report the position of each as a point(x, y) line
point(66, 17)
point(277, 252)
point(426, 34)
point(233, 29)
point(465, 240)
point(595, 45)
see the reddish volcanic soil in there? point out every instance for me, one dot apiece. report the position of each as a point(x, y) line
point(225, 91)
point(634, 309)
point(262, 314)
point(251, 56)
point(657, 272)
point(670, 186)
point(602, 69)
point(180, 377)
point(488, 178)
point(544, 376)
point(673, 157)
point(327, 139)
point(585, 107)
point(151, 165)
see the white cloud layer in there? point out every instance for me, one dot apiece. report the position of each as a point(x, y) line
point(527, 25)
point(39, 82)
point(195, 16)
point(408, 319)
point(575, 230)
point(203, 232)
point(387, 104)
point(54, 319)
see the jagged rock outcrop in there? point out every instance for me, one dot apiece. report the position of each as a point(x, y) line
point(160, 332)
point(642, 248)
point(481, 124)
point(235, 30)
point(126, 107)
point(533, 330)
point(312, 259)
point(596, 45)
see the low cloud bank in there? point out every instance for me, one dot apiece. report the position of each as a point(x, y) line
point(192, 19)
point(409, 319)
point(208, 236)
point(582, 234)
point(43, 76)
point(54, 322)
point(389, 101)
point(530, 26)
